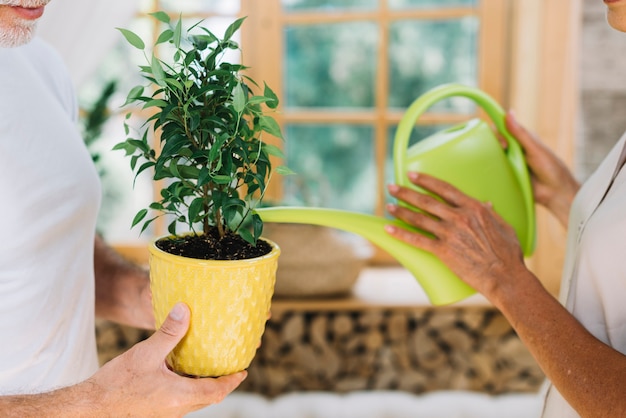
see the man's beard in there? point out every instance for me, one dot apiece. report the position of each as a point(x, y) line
point(24, 3)
point(17, 34)
point(19, 31)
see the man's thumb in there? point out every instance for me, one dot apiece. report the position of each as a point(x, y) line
point(171, 331)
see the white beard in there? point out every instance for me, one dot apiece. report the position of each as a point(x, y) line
point(18, 31)
point(24, 3)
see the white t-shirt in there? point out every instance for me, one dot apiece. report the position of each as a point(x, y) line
point(594, 275)
point(50, 198)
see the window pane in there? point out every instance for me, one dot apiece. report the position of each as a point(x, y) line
point(330, 65)
point(206, 6)
point(328, 5)
point(413, 4)
point(334, 165)
point(425, 54)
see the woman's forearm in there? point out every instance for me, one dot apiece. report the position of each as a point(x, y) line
point(588, 373)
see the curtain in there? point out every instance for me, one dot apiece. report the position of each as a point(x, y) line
point(83, 30)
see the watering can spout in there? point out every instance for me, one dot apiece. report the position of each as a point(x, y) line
point(438, 282)
point(468, 156)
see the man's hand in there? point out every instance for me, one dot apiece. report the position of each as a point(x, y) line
point(140, 384)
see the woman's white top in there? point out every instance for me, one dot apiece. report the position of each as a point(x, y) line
point(50, 196)
point(594, 276)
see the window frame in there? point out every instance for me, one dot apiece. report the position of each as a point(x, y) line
point(265, 26)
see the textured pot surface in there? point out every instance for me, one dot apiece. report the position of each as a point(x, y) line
point(229, 302)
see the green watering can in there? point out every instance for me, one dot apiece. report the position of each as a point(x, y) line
point(470, 157)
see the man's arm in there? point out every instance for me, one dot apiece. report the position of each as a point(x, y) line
point(138, 383)
point(122, 288)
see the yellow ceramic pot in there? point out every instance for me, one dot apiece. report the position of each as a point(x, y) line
point(229, 302)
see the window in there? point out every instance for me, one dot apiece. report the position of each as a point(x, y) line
point(344, 69)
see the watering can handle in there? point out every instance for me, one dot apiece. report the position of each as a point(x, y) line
point(514, 151)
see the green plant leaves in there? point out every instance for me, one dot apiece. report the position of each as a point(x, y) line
point(239, 99)
point(234, 27)
point(132, 38)
point(269, 125)
point(209, 122)
point(272, 99)
point(161, 16)
point(165, 36)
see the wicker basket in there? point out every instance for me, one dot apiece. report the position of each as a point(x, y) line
point(316, 260)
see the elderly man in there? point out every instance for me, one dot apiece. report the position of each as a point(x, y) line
point(55, 273)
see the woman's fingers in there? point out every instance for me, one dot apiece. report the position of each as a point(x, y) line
point(415, 218)
point(450, 195)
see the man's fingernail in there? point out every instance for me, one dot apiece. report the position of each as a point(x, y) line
point(393, 188)
point(178, 312)
point(413, 175)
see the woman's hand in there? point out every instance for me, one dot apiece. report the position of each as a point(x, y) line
point(470, 237)
point(553, 183)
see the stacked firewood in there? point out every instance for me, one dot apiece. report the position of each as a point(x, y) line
point(415, 350)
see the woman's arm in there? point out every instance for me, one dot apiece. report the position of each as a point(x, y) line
point(482, 249)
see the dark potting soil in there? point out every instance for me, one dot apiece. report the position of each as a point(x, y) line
point(211, 247)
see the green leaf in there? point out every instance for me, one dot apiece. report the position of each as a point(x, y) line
point(174, 83)
point(203, 177)
point(133, 161)
point(157, 71)
point(257, 226)
point(171, 228)
point(220, 179)
point(239, 99)
point(146, 224)
point(139, 216)
point(247, 236)
point(178, 32)
point(234, 27)
point(196, 206)
point(144, 167)
point(165, 36)
point(269, 125)
point(284, 171)
point(132, 38)
point(273, 150)
point(161, 16)
point(155, 103)
point(133, 95)
point(271, 97)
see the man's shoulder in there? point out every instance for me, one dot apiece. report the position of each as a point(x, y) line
point(40, 60)
point(43, 56)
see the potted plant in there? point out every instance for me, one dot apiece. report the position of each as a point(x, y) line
point(214, 167)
